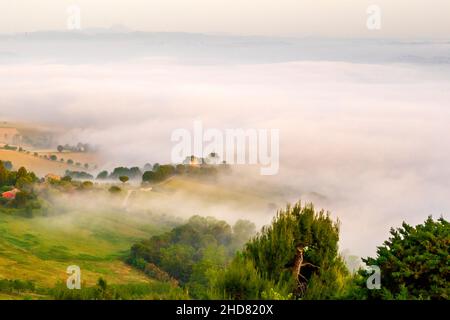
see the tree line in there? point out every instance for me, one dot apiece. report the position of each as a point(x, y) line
point(295, 257)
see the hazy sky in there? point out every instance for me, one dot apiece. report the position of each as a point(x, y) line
point(346, 18)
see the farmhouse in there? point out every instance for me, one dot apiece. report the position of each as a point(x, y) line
point(52, 177)
point(193, 161)
point(10, 194)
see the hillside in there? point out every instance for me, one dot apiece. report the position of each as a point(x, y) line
point(38, 165)
point(41, 249)
point(72, 223)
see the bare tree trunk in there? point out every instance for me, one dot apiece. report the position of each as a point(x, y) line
point(298, 263)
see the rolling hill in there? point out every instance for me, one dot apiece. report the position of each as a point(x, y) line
point(39, 165)
point(41, 249)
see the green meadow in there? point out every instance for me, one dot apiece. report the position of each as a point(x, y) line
point(41, 249)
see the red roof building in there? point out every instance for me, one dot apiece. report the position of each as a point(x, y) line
point(10, 194)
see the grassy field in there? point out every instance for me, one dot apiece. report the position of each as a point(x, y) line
point(94, 230)
point(41, 249)
point(38, 165)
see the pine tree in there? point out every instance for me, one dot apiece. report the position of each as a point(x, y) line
point(298, 251)
point(414, 263)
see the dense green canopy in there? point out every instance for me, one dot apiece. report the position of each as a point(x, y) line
point(294, 256)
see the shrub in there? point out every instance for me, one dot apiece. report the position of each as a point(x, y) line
point(115, 189)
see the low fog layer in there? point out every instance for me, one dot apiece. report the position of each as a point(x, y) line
point(367, 141)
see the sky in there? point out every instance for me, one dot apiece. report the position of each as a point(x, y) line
point(315, 18)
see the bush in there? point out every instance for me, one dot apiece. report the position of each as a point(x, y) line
point(115, 189)
point(87, 185)
point(124, 179)
point(242, 281)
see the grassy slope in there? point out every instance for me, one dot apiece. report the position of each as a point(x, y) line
point(38, 165)
point(40, 249)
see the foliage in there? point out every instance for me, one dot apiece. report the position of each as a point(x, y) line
point(16, 286)
point(414, 264)
point(105, 291)
point(20, 178)
point(159, 173)
point(162, 172)
point(124, 179)
point(7, 164)
point(79, 175)
point(8, 147)
point(192, 253)
point(102, 175)
point(25, 197)
point(272, 255)
point(242, 281)
point(86, 185)
point(131, 173)
point(115, 190)
point(80, 147)
point(147, 167)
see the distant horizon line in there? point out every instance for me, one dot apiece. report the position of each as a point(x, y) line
point(113, 31)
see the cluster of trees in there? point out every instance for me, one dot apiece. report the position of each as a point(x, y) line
point(68, 184)
point(19, 179)
point(8, 147)
point(159, 173)
point(191, 254)
point(297, 258)
point(16, 286)
point(23, 180)
point(79, 147)
point(79, 175)
point(132, 173)
point(162, 172)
